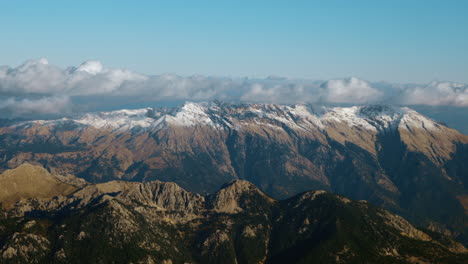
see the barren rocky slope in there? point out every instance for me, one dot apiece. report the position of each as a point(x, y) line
point(391, 156)
point(157, 222)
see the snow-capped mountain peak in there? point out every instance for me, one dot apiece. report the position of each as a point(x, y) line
point(223, 116)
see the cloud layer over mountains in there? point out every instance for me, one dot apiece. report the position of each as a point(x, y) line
point(39, 88)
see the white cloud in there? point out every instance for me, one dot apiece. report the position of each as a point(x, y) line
point(92, 67)
point(20, 88)
point(32, 77)
point(40, 77)
point(170, 86)
point(282, 92)
point(436, 93)
point(351, 90)
point(53, 105)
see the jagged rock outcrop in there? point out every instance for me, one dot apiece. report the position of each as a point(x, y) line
point(229, 199)
point(168, 196)
point(158, 222)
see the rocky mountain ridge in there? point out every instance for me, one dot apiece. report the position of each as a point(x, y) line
point(158, 222)
point(391, 156)
point(306, 118)
point(218, 114)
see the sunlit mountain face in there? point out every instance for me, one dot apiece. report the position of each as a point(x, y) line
point(390, 156)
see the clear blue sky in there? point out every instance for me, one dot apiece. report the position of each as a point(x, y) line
point(398, 41)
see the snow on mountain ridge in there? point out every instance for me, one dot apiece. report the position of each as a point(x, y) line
point(374, 118)
point(190, 114)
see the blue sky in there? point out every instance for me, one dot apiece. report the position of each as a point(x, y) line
point(396, 41)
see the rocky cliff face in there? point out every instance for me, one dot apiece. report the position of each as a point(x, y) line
point(156, 222)
point(391, 156)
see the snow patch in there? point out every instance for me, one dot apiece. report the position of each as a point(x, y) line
point(348, 115)
point(191, 114)
point(413, 119)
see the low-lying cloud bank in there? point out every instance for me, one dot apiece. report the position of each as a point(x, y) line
point(39, 88)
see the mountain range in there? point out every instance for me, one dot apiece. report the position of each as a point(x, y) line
point(67, 220)
point(391, 156)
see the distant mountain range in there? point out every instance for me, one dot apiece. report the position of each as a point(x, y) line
point(48, 218)
point(390, 156)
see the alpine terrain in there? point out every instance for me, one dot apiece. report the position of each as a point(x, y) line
point(390, 156)
point(72, 221)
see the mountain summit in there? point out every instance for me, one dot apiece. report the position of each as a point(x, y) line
point(392, 156)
